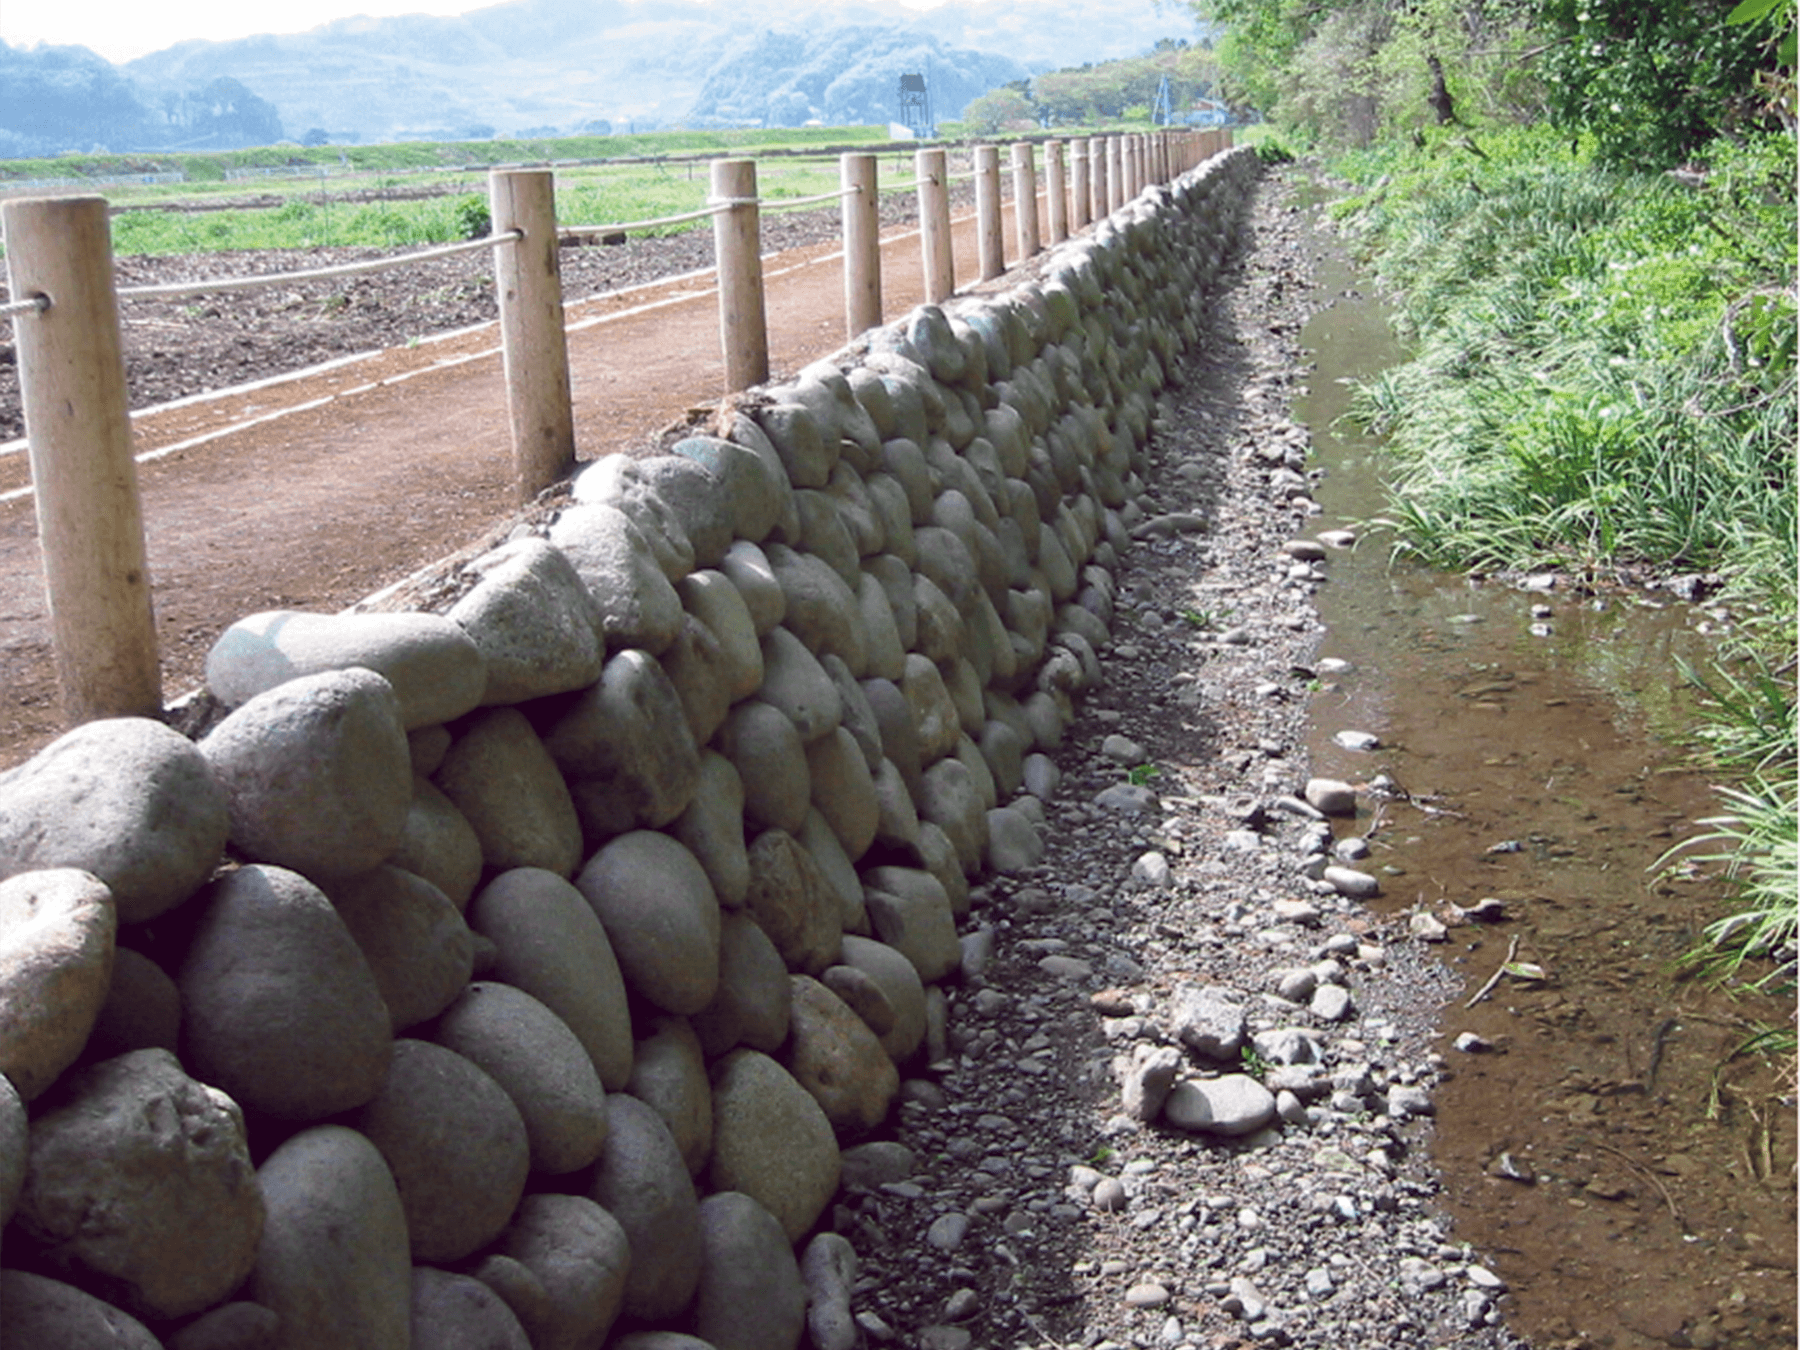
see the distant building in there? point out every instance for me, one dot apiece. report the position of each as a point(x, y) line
point(915, 107)
point(1204, 112)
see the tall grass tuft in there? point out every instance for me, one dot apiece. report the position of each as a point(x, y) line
point(1603, 371)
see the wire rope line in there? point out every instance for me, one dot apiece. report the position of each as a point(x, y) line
point(37, 304)
point(715, 206)
point(251, 283)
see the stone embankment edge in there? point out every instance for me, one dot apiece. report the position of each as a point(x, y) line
point(631, 880)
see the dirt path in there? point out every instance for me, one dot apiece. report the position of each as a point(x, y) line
point(312, 492)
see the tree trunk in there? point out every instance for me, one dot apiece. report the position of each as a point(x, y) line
point(1440, 100)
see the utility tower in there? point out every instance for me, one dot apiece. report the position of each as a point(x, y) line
point(1162, 113)
point(915, 107)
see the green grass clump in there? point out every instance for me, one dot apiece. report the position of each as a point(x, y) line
point(1602, 371)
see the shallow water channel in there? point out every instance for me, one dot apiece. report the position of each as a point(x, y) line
point(1631, 1182)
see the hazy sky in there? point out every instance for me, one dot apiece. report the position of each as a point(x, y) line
point(123, 29)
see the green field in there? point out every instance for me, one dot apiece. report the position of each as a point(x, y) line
point(435, 192)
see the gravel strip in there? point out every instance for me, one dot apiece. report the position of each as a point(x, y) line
point(1033, 1193)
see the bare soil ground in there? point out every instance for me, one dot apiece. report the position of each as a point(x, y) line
point(314, 491)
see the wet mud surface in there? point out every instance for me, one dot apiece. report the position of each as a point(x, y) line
point(1627, 1173)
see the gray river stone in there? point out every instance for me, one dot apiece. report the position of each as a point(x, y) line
point(416, 943)
point(57, 935)
point(697, 667)
point(280, 1007)
point(827, 535)
point(242, 1325)
point(755, 492)
point(862, 996)
point(796, 684)
point(697, 498)
point(750, 1296)
point(820, 840)
point(1209, 1021)
point(968, 753)
point(627, 748)
point(710, 597)
point(669, 1076)
point(1230, 1105)
point(1149, 1076)
point(619, 482)
point(843, 790)
point(858, 717)
point(538, 1062)
point(828, 1270)
point(1331, 796)
point(141, 1176)
point(126, 799)
point(435, 669)
point(712, 827)
point(318, 773)
point(1348, 881)
point(580, 1256)
point(941, 629)
point(439, 844)
point(771, 1141)
point(793, 902)
point(1013, 842)
point(637, 604)
point(750, 1006)
point(501, 778)
point(895, 577)
point(748, 568)
point(456, 1145)
point(911, 913)
point(456, 1312)
point(549, 942)
point(948, 798)
point(47, 1312)
point(835, 1056)
point(794, 432)
point(142, 1010)
point(884, 649)
point(1003, 748)
point(765, 748)
point(534, 621)
point(661, 915)
point(897, 820)
point(643, 1183)
point(898, 726)
point(333, 1263)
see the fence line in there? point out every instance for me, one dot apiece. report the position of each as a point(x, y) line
point(170, 289)
point(59, 255)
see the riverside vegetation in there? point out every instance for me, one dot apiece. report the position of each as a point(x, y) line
point(1586, 215)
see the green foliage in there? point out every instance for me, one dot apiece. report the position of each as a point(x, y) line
point(1580, 387)
point(999, 110)
point(1096, 91)
point(1274, 152)
point(1651, 80)
point(1142, 775)
point(1350, 72)
point(473, 218)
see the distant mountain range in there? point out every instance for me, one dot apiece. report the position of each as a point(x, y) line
point(533, 66)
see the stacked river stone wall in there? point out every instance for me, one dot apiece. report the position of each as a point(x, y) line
point(536, 972)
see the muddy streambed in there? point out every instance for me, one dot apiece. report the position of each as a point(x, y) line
point(1630, 1180)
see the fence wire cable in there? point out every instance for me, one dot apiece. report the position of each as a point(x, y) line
point(36, 305)
point(715, 206)
point(252, 283)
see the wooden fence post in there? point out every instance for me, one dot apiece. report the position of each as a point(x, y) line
point(535, 351)
point(1098, 178)
point(1115, 172)
point(1081, 185)
point(990, 233)
point(862, 243)
point(737, 241)
point(1134, 166)
point(1056, 191)
point(934, 226)
point(90, 520)
point(1025, 204)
